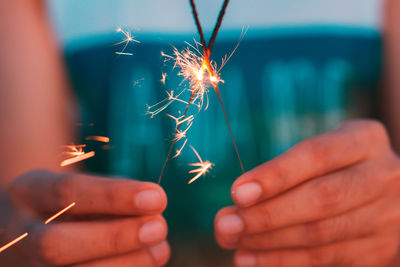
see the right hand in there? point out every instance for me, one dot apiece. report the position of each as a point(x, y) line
point(115, 222)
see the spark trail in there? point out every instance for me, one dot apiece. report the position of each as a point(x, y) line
point(194, 68)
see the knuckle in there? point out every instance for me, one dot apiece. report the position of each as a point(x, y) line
point(377, 129)
point(316, 234)
point(20, 183)
point(324, 232)
point(63, 189)
point(117, 241)
point(112, 194)
point(114, 240)
point(267, 220)
point(327, 195)
point(372, 132)
point(280, 172)
point(316, 149)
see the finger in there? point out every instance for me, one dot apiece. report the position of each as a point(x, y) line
point(365, 252)
point(225, 241)
point(351, 143)
point(49, 192)
point(320, 198)
point(68, 243)
point(343, 227)
point(154, 256)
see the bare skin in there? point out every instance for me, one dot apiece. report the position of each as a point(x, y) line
point(332, 200)
point(115, 222)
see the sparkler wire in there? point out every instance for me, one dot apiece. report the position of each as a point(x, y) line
point(6, 246)
point(217, 26)
point(174, 140)
point(229, 127)
point(198, 25)
point(206, 55)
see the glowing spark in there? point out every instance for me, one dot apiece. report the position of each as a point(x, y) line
point(203, 167)
point(175, 98)
point(181, 119)
point(13, 242)
point(124, 53)
point(159, 107)
point(193, 68)
point(163, 77)
point(74, 150)
point(59, 213)
point(179, 151)
point(103, 139)
point(128, 38)
point(180, 134)
point(77, 159)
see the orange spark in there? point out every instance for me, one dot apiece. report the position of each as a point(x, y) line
point(74, 150)
point(179, 151)
point(13, 242)
point(59, 213)
point(77, 159)
point(103, 139)
point(203, 167)
point(193, 68)
point(163, 77)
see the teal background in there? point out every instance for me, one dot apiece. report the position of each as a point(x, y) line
point(281, 87)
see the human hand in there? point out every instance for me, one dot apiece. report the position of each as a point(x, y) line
point(332, 200)
point(115, 222)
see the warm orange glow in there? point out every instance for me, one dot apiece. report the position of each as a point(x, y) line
point(77, 159)
point(59, 213)
point(203, 167)
point(13, 242)
point(103, 139)
point(74, 150)
point(163, 77)
point(195, 66)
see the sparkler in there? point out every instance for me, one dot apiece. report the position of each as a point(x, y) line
point(203, 167)
point(201, 73)
point(163, 77)
point(77, 154)
point(103, 139)
point(128, 38)
point(6, 246)
point(52, 218)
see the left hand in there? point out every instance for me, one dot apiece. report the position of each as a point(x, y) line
point(332, 200)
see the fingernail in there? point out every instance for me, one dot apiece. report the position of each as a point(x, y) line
point(149, 200)
point(230, 224)
point(245, 260)
point(247, 193)
point(152, 232)
point(160, 252)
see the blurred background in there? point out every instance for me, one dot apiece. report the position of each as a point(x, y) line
point(303, 67)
